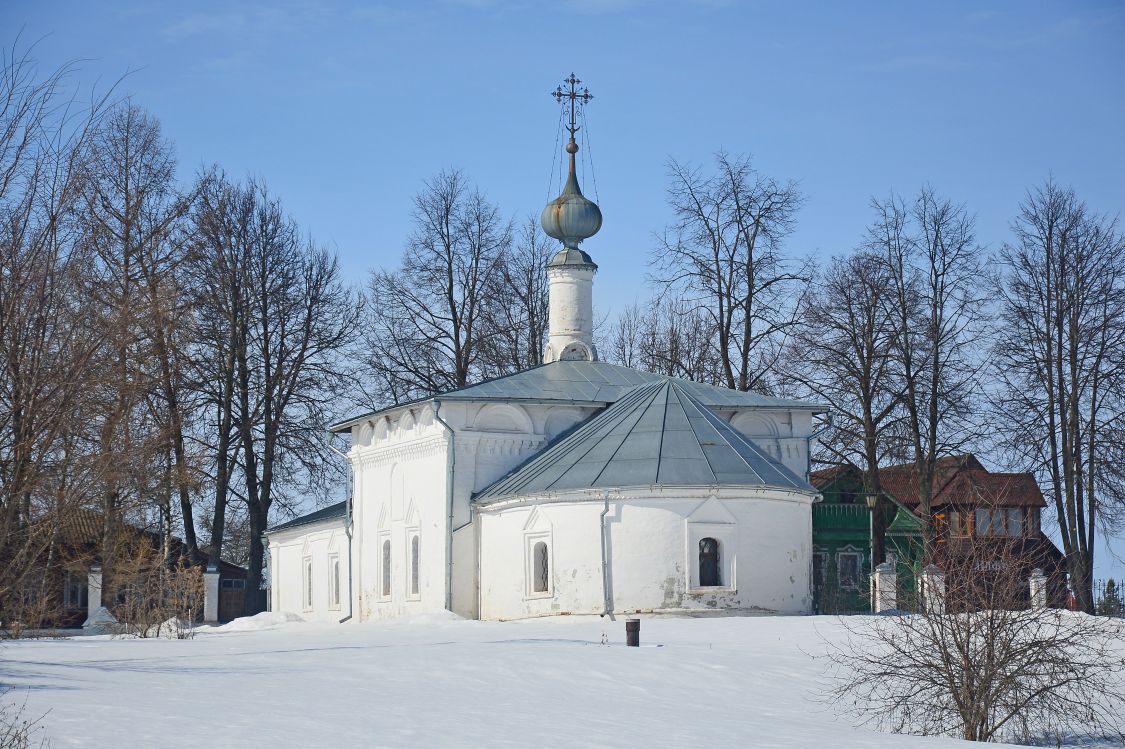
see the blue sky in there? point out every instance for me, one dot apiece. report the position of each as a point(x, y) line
point(344, 108)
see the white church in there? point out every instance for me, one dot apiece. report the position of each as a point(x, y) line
point(574, 487)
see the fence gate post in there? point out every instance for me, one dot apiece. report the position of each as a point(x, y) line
point(211, 594)
point(93, 591)
point(1037, 584)
point(884, 583)
point(933, 589)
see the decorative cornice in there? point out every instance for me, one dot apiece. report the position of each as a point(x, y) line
point(394, 453)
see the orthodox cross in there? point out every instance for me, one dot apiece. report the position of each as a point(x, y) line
point(577, 99)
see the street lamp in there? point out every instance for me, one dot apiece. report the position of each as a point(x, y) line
point(871, 499)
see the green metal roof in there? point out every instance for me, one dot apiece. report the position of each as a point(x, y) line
point(657, 434)
point(331, 512)
point(595, 383)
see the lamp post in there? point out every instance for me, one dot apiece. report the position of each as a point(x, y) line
point(872, 500)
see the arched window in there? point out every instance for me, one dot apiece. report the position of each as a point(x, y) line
point(414, 566)
point(387, 567)
point(540, 568)
point(709, 574)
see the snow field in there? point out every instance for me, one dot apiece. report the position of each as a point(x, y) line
point(444, 682)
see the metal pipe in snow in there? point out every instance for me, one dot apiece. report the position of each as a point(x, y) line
point(607, 609)
point(347, 524)
point(450, 465)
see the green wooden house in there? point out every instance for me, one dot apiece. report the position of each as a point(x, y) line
point(842, 543)
point(998, 512)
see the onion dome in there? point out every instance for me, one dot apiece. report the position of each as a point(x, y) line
point(571, 218)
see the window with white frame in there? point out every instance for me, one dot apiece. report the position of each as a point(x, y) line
point(537, 565)
point(334, 581)
point(849, 566)
point(415, 552)
point(541, 575)
point(307, 584)
point(385, 568)
point(710, 569)
point(711, 551)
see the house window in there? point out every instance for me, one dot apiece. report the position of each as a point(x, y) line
point(960, 523)
point(820, 568)
point(334, 581)
point(541, 572)
point(1015, 521)
point(414, 565)
point(307, 585)
point(75, 591)
point(987, 522)
point(386, 588)
point(848, 565)
point(1001, 521)
point(709, 574)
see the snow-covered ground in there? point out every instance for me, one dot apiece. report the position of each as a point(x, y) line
point(435, 682)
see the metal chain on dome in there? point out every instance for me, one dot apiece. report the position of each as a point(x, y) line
point(589, 154)
point(555, 158)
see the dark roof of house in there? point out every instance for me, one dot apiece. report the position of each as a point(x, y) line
point(330, 512)
point(958, 480)
point(595, 383)
point(657, 434)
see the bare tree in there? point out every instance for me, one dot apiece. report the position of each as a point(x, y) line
point(668, 336)
point(130, 219)
point(1060, 360)
point(982, 664)
point(516, 304)
point(220, 230)
point(934, 263)
point(723, 255)
point(47, 385)
point(843, 356)
point(428, 328)
point(277, 353)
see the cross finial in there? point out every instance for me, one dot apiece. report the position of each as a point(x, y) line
point(578, 98)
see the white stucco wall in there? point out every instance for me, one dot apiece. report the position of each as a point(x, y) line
point(652, 547)
point(570, 333)
point(401, 466)
point(317, 543)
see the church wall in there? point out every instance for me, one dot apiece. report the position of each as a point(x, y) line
point(652, 546)
point(400, 465)
point(782, 434)
point(318, 544)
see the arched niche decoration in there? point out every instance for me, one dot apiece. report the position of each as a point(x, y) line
point(560, 419)
point(406, 423)
point(382, 428)
point(576, 351)
point(755, 425)
point(366, 433)
point(503, 417)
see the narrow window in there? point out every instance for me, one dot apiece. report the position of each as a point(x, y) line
point(820, 568)
point(1015, 521)
point(387, 567)
point(414, 566)
point(984, 522)
point(541, 570)
point(709, 575)
point(308, 585)
point(847, 569)
point(334, 580)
